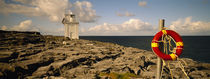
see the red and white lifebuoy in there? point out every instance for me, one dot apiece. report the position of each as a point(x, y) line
point(176, 37)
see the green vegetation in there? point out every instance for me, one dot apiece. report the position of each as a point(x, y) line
point(113, 75)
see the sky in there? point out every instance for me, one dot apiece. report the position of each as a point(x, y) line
point(107, 17)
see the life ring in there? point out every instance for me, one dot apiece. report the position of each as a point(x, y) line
point(176, 37)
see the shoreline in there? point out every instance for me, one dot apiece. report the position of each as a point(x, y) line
point(30, 55)
point(144, 43)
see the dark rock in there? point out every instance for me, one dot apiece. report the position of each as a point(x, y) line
point(32, 55)
point(20, 38)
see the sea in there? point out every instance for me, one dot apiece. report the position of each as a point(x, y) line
point(195, 47)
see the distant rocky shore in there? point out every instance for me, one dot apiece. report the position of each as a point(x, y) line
point(32, 55)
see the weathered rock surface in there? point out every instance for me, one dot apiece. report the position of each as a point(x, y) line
point(52, 57)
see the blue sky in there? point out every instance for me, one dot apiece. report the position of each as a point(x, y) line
point(155, 9)
point(107, 17)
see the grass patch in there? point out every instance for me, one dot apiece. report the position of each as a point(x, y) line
point(113, 75)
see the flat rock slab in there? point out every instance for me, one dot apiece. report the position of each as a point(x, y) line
point(53, 57)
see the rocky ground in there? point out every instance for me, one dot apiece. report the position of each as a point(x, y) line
point(31, 55)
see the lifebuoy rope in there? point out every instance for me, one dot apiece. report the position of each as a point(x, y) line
point(166, 36)
point(172, 49)
point(181, 66)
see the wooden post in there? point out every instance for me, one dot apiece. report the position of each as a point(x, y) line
point(159, 62)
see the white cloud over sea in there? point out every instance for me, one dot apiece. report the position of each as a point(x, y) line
point(188, 27)
point(130, 27)
point(184, 26)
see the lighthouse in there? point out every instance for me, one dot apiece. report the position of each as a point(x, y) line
point(71, 26)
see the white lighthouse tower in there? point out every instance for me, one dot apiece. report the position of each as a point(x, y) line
point(70, 26)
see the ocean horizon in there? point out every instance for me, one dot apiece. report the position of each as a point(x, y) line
point(195, 47)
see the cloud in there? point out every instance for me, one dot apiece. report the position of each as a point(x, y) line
point(183, 26)
point(126, 13)
point(130, 27)
point(23, 1)
point(27, 25)
point(22, 26)
point(188, 27)
point(19, 9)
point(54, 10)
point(142, 3)
point(84, 11)
point(4, 28)
point(36, 8)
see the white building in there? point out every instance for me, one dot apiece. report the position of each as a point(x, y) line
point(71, 26)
